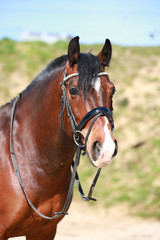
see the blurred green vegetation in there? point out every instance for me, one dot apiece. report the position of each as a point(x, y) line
point(133, 178)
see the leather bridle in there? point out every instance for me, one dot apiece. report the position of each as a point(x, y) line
point(94, 114)
point(78, 135)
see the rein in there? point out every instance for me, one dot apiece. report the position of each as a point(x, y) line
point(77, 134)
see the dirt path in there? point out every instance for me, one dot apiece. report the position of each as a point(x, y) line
point(89, 223)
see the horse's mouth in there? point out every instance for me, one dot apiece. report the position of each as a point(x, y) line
point(100, 155)
point(101, 161)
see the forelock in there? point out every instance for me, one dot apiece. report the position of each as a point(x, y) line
point(88, 69)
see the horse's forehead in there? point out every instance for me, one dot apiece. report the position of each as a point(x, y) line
point(98, 82)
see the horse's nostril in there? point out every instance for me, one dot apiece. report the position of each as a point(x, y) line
point(96, 150)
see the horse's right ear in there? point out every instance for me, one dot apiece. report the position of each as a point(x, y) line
point(106, 53)
point(73, 51)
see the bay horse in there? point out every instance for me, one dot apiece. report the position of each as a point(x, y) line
point(72, 96)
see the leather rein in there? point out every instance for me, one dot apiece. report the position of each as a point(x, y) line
point(77, 136)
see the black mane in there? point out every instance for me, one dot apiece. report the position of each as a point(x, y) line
point(88, 68)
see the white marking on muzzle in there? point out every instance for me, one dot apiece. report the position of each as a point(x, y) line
point(109, 144)
point(108, 148)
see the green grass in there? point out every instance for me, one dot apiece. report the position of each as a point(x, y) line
point(134, 176)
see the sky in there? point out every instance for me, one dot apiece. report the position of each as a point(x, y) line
point(124, 22)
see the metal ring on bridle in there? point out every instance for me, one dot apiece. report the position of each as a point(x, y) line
point(78, 136)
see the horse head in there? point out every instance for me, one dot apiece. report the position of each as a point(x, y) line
point(87, 94)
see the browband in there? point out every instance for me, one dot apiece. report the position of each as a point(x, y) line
point(76, 74)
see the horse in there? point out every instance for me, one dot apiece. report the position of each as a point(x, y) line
point(67, 106)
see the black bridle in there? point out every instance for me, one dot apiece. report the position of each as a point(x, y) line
point(77, 135)
point(77, 130)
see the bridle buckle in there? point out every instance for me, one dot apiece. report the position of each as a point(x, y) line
point(79, 138)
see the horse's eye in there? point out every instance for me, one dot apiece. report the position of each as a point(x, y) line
point(73, 91)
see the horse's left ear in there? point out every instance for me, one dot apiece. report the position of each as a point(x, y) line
point(73, 51)
point(106, 53)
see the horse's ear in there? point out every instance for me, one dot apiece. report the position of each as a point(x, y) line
point(106, 53)
point(73, 51)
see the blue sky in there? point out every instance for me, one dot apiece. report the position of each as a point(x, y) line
point(125, 22)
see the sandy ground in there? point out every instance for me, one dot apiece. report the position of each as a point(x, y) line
point(91, 223)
